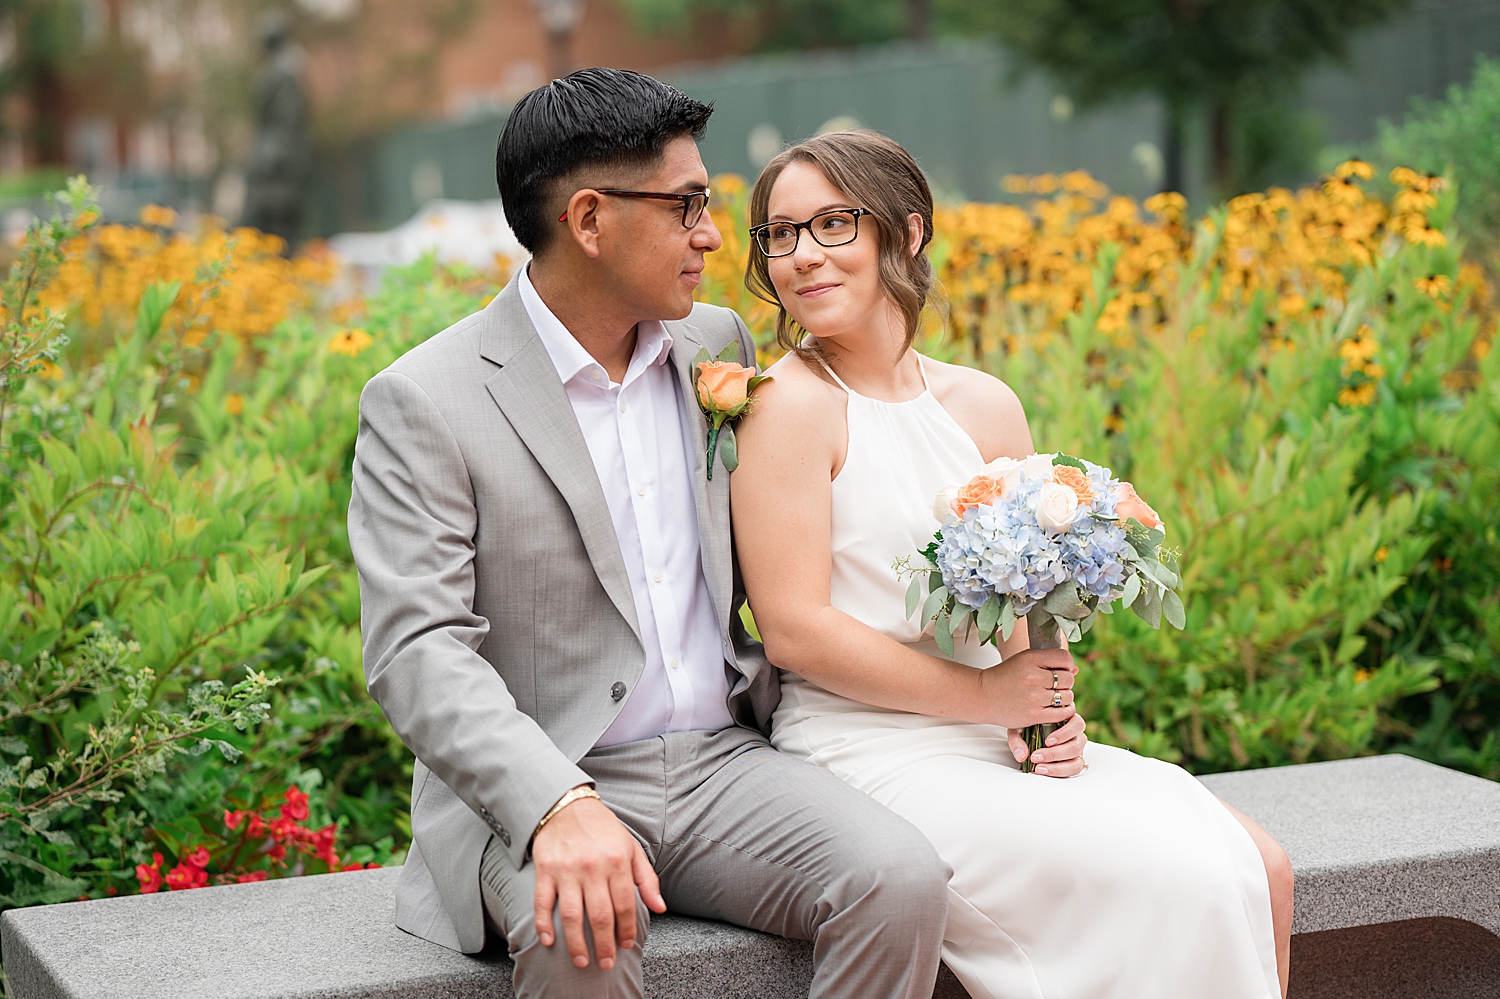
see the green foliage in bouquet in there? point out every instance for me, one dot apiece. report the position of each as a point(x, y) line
point(1306, 513)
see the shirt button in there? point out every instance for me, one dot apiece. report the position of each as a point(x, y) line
point(656, 576)
point(622, 405)
point(617, 691)
point(640, 490)
point(674, 662)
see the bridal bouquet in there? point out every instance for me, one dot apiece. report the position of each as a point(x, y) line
point(1050, 537)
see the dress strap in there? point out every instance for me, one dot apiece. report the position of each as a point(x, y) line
point(923, 372)
point(836, 378)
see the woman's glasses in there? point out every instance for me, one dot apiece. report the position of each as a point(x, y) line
point(835, 228)
point(692, 204)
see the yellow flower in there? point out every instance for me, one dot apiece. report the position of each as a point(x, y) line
point(350, 342)
point(1362, 675)
point(51, 371)
point(1359, 350)
point(1354, 168)
point(1436, 285)
point(1382, 553)
point(1359, 395)
point(234, 404)
point(159, 216)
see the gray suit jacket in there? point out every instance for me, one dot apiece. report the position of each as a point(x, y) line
point(497, 615)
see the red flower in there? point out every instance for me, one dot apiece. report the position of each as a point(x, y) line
point(233, 819)
point(257, 826)
point(149, 875)
point(353, 866)
point(372, 866)
point(183, 876)
point(277, 853)
point(244, 879)
point(296, 804)
point(198, 858)
point(282, 828)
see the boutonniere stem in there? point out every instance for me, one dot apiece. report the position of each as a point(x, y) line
point(724, 388)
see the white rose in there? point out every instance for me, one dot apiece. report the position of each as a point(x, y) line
point(1038, 466)
point(1056, 507)
point(1008, 470)
point(942, 507)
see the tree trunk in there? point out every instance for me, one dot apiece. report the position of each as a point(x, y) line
point(919, 19)
point(1171, 154)
point(1222, 149)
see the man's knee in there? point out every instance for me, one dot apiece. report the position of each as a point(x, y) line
point(893, 869)
point(549, 971)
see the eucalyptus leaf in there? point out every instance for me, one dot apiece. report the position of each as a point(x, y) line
point(728, 453)
point(913, 597)
point(730, 353)
point(1172, 605)
point(1068, 601)
point(943, 637)
point(988, 617)
point(1131, 590)
point(957, 620)
point(935, 601)
point(1007, 620)
point(702, 357)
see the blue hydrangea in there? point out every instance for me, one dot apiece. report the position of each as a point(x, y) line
point(1001, 550)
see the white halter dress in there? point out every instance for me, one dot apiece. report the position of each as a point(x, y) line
point(1130, 881)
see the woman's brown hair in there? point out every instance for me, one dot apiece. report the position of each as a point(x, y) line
point(875, 173)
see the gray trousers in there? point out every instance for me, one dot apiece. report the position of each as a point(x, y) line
point(738, 832)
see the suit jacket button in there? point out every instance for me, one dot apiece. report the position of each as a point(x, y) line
point(505, 837)
point(617, 691)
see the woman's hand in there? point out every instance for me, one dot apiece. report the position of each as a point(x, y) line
point(1025, 690)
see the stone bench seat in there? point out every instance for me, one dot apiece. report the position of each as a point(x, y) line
point(1385, 840)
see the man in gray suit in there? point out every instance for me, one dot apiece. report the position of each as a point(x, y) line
point(550, 601)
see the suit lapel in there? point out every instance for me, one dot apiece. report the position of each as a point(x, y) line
point(711, 498)
point(530, 394)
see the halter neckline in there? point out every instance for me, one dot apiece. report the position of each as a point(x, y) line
point(921, 370)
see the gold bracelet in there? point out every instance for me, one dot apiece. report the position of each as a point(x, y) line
point(575, 794)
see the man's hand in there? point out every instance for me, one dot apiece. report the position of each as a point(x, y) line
point(590, 866)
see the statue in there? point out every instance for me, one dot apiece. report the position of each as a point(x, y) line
point(280, 155)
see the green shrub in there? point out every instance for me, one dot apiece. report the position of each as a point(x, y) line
point(1461, 133)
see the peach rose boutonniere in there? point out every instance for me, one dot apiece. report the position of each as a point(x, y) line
point(725, 390)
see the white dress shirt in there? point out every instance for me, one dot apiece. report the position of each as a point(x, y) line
point(635, 435)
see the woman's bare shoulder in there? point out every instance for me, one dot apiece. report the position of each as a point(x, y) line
point(984, 406)
point(793, 393)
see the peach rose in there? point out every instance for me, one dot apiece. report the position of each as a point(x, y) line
point(977, 491)
point(1128, 505)
point(1075, 480)
point(723, 386)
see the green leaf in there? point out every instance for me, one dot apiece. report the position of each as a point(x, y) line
point(1007, 620)
point(988, 617)
point(935, 601)
point(702, 357)
point(957, 620)
point(756, 380)
point(1176, 613)
point(1132, 589)
point(731, 353)
point(728, 453)
point(1068, 459)
point(913, 597)
point(943, 637)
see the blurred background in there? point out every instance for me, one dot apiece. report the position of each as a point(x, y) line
point(385, 106)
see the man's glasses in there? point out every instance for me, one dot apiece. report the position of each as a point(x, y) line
point(692, 204)
point(835, 228)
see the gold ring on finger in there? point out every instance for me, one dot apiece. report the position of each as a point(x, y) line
point(1057, 699)
point(1054, 679)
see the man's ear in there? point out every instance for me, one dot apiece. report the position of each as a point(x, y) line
point(583, 220)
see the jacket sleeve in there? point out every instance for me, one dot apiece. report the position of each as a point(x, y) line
point(412, 521)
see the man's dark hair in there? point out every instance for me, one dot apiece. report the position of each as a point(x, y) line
point(591, 118)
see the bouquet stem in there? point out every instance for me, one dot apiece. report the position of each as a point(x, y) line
point(713, 445)
point(1036, 735)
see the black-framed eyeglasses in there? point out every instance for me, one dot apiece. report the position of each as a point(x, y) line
point(833, 228)
point(692, 204)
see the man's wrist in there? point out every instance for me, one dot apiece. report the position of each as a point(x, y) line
point(573, 794)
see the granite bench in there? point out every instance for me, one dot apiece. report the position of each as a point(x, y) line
point(1398, 894)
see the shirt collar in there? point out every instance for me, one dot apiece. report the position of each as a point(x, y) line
point(652, 342)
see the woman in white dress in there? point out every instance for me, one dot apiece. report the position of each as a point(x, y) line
point(1105, 875)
